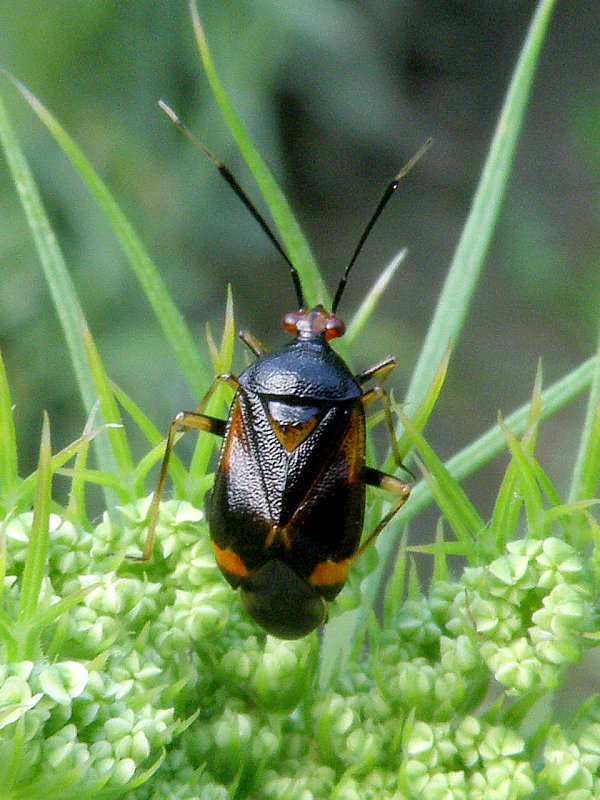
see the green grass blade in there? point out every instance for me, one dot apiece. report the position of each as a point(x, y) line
point(76, 510)
point(56, 273)
point(177, 471)
point(9, 476)
point(526, 483)
point(360, 319)
point(95, 476)
point(157, 440)
point(196, 370)
point(49, 615)
point(59, 281)
point(587, 466)
point(110, 412)
point(26, 488)
point(35, 561)
point(508, 501)
point(294, 240)
point(394, 588)
point(472, 247)
point(150, 431)
point(421, 415)
point(453, 502)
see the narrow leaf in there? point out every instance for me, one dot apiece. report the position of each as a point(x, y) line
point(28, 484)
point(454, 503)
point(35, 561)
point(507, 507)
point(9, 477)
point(76, 510)
point(423, 411)
point(586, 472)
point(111, 415)
point(472, 247)
point(361, 317)
point(527, 484)
point(196, 370)
point(56, 273)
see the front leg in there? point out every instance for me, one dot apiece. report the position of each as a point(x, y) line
point(185, 421)
point(390, 483)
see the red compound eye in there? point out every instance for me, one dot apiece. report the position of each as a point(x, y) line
point(316, 323)
point(290, 321)
point(334, 327)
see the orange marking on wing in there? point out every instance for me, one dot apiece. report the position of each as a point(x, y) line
point(290, 436)
point(351, 444)
point(229, 561)
point(330, 573)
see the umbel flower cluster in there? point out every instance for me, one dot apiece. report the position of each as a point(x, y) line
point(154, 684)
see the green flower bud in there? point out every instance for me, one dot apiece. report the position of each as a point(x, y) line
point(284, 787)
point(563, 770)
point(431, 744)
point(266, 745)
point(510, 778)
point(138, 670)
point(459, 655)
point(415, 623)
point(444, 786)
point(442, 596)
point(63, 681)
point(233, 734)
point(467, 736)
point(15, 700)
point(496, 619)
point(558, 562)
point(499, 742)
point(511, 577)
point(123, 771)
point(196, 567)
point(282, 675)
point(62, 751)
point(411, 684)
point(239, 663)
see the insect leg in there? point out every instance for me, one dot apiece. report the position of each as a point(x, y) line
point(380, 370)
point(391, 484)
point(252, 343)
point(185, 420)
point(378, 392)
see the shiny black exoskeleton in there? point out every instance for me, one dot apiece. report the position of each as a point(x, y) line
point(287, 506)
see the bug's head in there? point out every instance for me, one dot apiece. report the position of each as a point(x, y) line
point(315, 324)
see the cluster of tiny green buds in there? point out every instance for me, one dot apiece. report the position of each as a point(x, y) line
point(154, 660)
point(95, 702)
point(572, 764)
point(529, 609)
point(472, 760)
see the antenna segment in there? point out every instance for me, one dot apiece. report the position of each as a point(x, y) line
point(232, 181)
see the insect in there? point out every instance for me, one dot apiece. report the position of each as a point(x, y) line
point(287, 507)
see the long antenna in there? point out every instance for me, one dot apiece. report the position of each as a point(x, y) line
point(232, 181)
point(388, 192)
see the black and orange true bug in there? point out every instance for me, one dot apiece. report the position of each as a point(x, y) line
point(287, 507)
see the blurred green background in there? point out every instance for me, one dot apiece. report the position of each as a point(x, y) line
point(337, 95)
